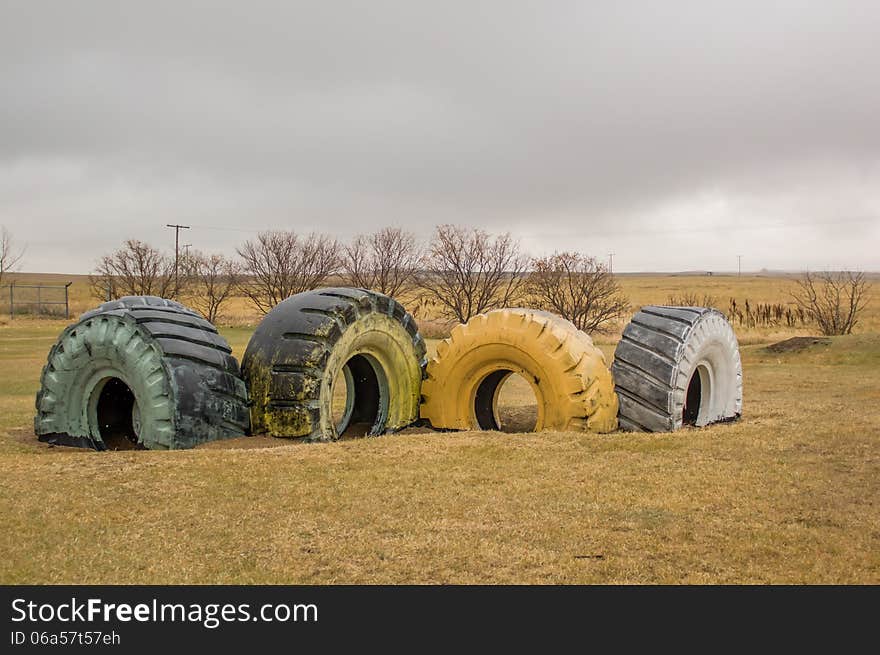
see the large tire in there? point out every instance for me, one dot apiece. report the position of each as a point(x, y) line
point(363, 339)
point(568, 374)
point(140, 372)
point(675, 366)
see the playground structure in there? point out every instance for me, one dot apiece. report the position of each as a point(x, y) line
point(145, 372)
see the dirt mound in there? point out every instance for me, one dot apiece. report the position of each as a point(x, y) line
point(797, 344)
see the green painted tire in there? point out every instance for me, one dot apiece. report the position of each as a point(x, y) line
point(140, 372)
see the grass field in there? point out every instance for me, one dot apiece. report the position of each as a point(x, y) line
point(640, 289)
point(791, 493)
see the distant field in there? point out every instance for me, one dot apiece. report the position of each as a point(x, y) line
point(791, 493)
point(640, 289)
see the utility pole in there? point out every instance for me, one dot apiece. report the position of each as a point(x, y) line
point(186, 260)
point(177, 229)
point(610, 262)
point(739, 268)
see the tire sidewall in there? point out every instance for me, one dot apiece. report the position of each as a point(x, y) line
point(716, 360)
point(385, 342)
point(108, 359)
point(486, 359)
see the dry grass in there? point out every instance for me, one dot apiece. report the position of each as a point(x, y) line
point(789, 494)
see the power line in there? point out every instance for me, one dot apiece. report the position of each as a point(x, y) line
point(637, 230)
point(231, 229)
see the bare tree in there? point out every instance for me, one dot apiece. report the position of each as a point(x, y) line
point(211, 282)
point(578, 288)
point(278, 264)
point(188, 266)
point(10, 253)
point(467, 271)
point(833, 300)
point(385, 261)
point(135, 269)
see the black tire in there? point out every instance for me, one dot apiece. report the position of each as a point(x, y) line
point(303, 346)
point(676, 366)
point(141, 372)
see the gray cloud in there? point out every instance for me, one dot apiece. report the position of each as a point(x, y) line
point(674, 135)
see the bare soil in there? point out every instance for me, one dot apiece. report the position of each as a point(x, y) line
point(798, 344)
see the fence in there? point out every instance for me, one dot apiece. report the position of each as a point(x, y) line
point(38, 299)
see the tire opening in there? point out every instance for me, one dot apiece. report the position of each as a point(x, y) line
point(506, 402)
point(691, 411)
point(117, 414)
point(359, 404)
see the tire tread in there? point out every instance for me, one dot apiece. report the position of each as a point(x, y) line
point(657, 344)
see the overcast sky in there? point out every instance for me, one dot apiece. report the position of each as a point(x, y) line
point(676, 135)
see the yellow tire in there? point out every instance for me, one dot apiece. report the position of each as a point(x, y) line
point(568, 374)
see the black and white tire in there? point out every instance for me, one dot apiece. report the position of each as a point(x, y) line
point(144, 372)
point(677, 366)
point(317, 339)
